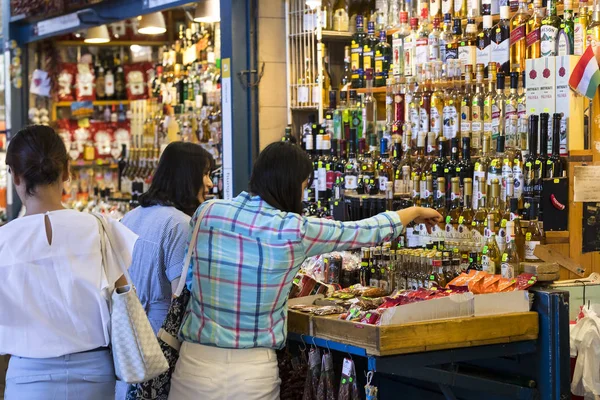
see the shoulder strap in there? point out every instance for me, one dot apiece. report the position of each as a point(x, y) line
point(105, 231)
point(190, 250)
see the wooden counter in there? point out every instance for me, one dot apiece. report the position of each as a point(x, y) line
point(420, 336)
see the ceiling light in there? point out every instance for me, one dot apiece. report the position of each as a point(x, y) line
point(207, 11)
point(152, 24)
point(313, 4)
point(97, 34)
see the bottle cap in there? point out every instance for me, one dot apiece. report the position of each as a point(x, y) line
point(343, 95)
point(514, 80)
point(436, 22)
point(505, 12)
point(500, 81)
point(414, 22)
point(447, 17)
point(488, 21)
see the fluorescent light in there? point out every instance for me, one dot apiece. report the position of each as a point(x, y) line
point(97, 34)
point(152, 24)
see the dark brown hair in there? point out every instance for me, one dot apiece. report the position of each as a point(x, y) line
point(37, 155)
point(278, 174)
point(179, 177)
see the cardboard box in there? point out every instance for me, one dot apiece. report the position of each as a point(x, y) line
point(541, 87)
point(570, 104)
point(456, 306)
point(501, 303)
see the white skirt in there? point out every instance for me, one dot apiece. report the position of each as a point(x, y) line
point(205, 372)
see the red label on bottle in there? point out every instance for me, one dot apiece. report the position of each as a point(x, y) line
point(517, 34)
point(533, 37)
point(330, 177)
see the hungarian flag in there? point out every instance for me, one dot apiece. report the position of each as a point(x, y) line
point(586, 75)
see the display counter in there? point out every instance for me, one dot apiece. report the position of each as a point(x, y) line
point(518, 355)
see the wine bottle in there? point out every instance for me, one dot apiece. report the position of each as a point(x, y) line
point(555, 166)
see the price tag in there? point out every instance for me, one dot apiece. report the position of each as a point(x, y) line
point(347, 367)
point(61, 23)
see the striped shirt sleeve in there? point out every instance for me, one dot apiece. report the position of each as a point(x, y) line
point(321, 235)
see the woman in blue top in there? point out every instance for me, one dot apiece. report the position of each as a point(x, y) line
point(247, 253)
point(162, 222)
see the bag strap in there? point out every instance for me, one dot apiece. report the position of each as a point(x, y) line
point(188, 255)
point(105, 231)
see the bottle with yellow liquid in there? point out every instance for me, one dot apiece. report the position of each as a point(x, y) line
point(593, 30)
point(581, 26)
point(518, 37)
point(534, 25)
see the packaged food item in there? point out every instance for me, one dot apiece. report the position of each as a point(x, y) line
point(506, 285)
point(84, 83)
point(328, 310)
point(325, 391)
point(312, 377)
point(373, 292)
point(490, 283)
point(525, 281)
point(102, 134)
point(136, 81)
point(65, 79)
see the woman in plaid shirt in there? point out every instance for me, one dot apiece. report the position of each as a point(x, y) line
point(248, 251)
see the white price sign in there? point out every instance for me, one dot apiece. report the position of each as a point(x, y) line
point(57, 24)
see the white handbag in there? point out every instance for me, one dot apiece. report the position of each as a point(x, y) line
point(136, 353)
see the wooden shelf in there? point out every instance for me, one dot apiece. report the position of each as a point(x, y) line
point(95, 163)
point(95, 103)
point(112, 43)
point(335, 35)
point(375, 90)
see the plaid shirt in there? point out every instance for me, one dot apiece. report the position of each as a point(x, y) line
point(246, 257)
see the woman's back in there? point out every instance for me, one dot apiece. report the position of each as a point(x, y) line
point(52, 284)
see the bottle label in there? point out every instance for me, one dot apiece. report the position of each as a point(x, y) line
point(451, 232)
point(579, 39)
point(435, 6)
point(488, 264)
point(340, 20)
point(508, 270)
point(447, 7)
point(465, 124)
point(533, 37)
point(383, 180)
point(109, 84)
point(397, 56)
point(398, 186)
point(424, 120)
point(487, 117)
point(408, 53)
point(484, 55)
point(530, 246)
point(351, 182)
point(564, 44)
point(367, 58)
point(457, 7)
point(434, 48)
point(467, 55)
point(549, 36)
point(379, 60)
point(517, 34)
point(436, 121)
point(451, 53)
point(500, 52)
point(422, 51)
point(415, 119)
point(495, 123)
point(450, 122)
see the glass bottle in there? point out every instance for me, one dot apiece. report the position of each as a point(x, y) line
point(340, 16)
point(452, 219)
point(498, 108)
point(386, 169)
point(480, 171)
point(510, 265)
point(555, 165)
point(465, 168)
point(549, 31)
point(477, 101)
point(466, 103)
point(501, 38)
point(446, 37)
point(358, 42)
point(479, 223)
point(369, 47)
point(543, 152)
point(383, 56)
point(566, 35)
point(534, 35)
point(511, 105)
point(352, 167)
point(439, 164)
point(518, 37)
point(489, 100)
point(451, 108)
point(434, 41)
point(580, 28)
point(593, 30)
point(533, 237)
point(530, 170)
point(491, 255)
point(437, 101)
point(484, 42)
point(467, 50)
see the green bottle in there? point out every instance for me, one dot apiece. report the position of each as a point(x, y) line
point(549, 31)
point(566, 36)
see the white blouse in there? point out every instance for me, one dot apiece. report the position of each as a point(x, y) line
point(53, 296)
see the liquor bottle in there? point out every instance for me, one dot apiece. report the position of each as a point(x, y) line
point(467, 103)
point(352, 167)
point(439, 165)
point(120, 92)
point(437, 101)
point(534, 35)
point(510, 264)
point(494, 202)
point(480, 171)
point(410, 48)
point(399, 110)
point(593, 30)
point(466, 217)
point(533, 237)
point(566, 36)
point(374, 265)
point(354, 11)
point(453, 44)
point(368, 175)
point(451, 127)
point(399, 42)
point(355, 111)
point(446, 37)
point(522, 111)
point(340, 16)
point(511, 104)
point(383, 56)
point(435, 9)
point(543, 152)
point(477, 101)
point(381, 14)
point(386, 170)
point(413, 103)
point(491, 255)
point(555, 165)
point(365, 271)
point(434, 41)
point(549, 31)
point(531, 170)
point(518, 37)
point(440, 201)
point(580, 28)
point(416, 190)
point(346, 80)
point(420, 164)
point(484, 41)
point(430, 152)
point(516, 219)
point(447, 8)
point(465, 168)
point(109, 84)
point(100, 82)
point(488, 100)
point(358, 42)
point(519, 180)
point(422, 43)
point(455, 210)
point(501, 38)
point(498, 108)
point(369, 47)
point(467, 50)
point(480, 218)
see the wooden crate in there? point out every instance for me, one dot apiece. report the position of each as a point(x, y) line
point(428, 335)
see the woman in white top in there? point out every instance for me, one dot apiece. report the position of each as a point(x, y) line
point(55, 318)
